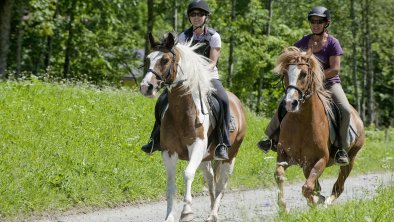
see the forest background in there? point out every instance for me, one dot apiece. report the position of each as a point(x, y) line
point(104, 43)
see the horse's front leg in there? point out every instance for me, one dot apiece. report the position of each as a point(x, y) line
point(312, 173)
point(280, 179)
point(279, 175)
point(170, 164)
point(196, 154)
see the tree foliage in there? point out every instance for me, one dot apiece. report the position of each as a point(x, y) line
point(103, 41)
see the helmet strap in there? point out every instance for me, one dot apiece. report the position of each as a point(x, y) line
point(201, 26)
point(321, 33)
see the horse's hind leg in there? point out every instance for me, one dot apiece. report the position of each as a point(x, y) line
point(223, 171)
point(339, 184)
point(170, 164)
point(208, 177)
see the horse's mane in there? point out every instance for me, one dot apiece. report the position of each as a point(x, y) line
point(295, 55)
point(194, 69)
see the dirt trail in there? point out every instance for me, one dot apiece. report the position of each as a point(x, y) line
point(251, 205)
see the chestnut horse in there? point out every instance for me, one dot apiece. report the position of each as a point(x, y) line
point(304, 131)
point(186, 124)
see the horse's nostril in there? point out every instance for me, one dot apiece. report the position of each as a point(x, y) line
point(150, 87)
point(294, 103)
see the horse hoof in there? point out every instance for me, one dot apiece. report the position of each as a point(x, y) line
point(186, 217)
point(170, 219)
point(330, 200)
point(321, 199)
point(211, 218)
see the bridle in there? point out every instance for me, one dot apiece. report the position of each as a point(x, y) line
point(304, 95)
point(166, 79)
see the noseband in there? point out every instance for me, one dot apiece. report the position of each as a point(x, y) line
point(304, 95)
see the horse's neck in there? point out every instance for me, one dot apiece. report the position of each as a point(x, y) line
point(180, 103)
point(312, 108)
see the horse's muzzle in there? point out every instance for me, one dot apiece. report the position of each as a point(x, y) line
point(292, 105)
point(147, 90)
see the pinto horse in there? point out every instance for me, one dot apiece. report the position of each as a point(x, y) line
point(304, 131)
point(186, 125)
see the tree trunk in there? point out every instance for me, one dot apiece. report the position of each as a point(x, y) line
point(261, 77)
point(268, 27)
point(232, 44)
point(48, 54)
point(370, 73)
point(354, 53)
point(19, 40)
point(364, 65)
point(149, 28)
point(69, 45)
point(175, 18)
point(5, 16)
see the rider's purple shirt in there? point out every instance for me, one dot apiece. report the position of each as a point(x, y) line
point(330, 48)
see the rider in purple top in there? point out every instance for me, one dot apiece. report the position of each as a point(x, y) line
point(330, 48)
point(328, 51)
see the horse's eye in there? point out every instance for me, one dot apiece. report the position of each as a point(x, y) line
point(164, 61)
point(302, 75)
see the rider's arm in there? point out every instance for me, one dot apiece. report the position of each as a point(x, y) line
point(214, 56)
point(335, 66)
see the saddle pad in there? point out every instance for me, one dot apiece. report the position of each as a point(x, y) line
point(351, 135)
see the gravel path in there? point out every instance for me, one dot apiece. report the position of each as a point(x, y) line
point(251, 205)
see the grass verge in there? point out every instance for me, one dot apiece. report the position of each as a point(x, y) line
point(72, 145)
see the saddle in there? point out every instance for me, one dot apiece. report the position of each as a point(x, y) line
point(215, 111)
point(334, 128)
point(216, 115)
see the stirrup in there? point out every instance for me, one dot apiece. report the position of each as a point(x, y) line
point(222, 155)
point(341, 158)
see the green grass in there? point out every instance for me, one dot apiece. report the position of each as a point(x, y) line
point(73, 145)
point(379, 209)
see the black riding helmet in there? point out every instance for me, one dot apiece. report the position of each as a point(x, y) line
point(321, 12)
point(200, 5)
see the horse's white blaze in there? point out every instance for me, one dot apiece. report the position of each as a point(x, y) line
point(146, 83)
point(292, 94)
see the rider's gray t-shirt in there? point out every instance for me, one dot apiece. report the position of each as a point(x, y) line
point(215, 42)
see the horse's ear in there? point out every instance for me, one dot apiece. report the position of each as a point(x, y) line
point(170, 41)
point(151, 39)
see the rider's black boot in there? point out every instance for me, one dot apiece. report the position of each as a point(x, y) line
point(267, 145)
point(154, 142)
